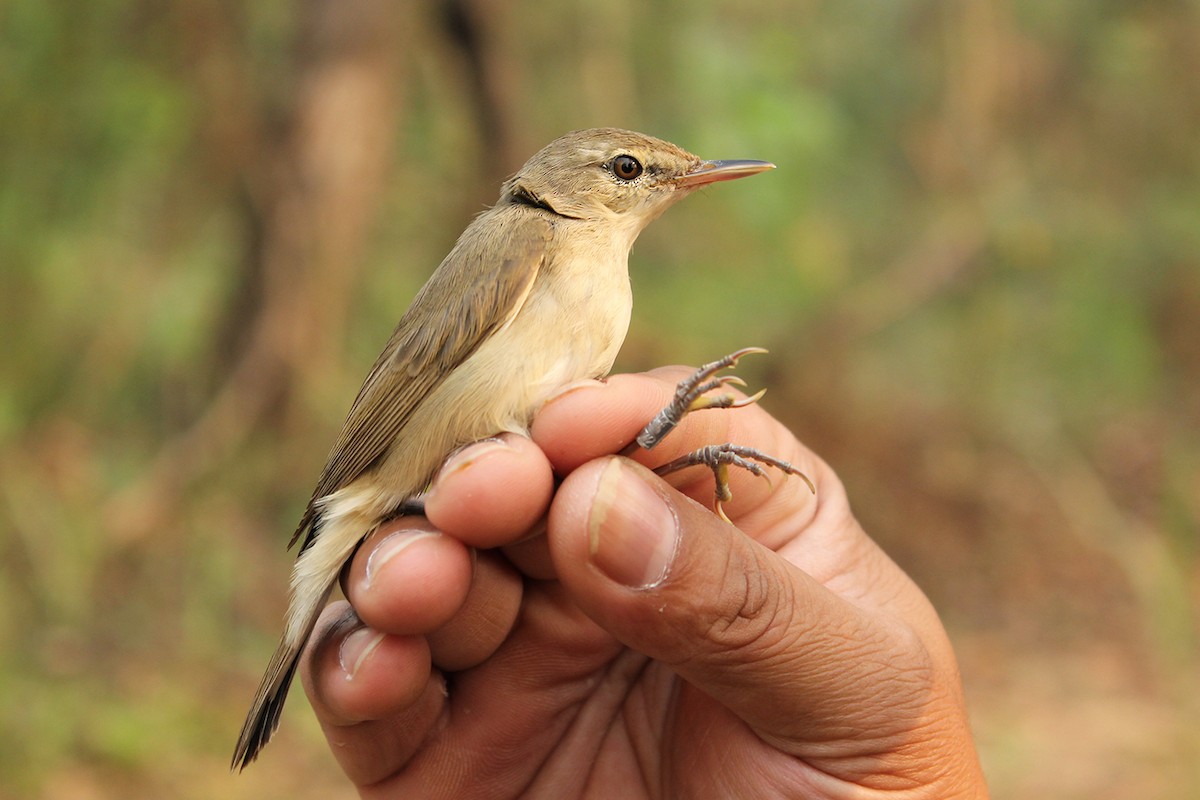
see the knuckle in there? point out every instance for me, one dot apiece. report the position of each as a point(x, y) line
point(751, 610)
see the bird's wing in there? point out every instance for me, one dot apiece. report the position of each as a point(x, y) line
point(477, 289)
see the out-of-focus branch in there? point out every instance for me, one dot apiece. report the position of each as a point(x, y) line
point(478, 31)
point(312, 192)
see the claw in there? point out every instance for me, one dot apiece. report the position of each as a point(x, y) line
point(736, 356)
point(748, 401)
point(719, 457)
point(690, 396)
point(724, 401)
point(721, 491)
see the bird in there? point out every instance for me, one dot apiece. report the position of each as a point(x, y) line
point(534, 295)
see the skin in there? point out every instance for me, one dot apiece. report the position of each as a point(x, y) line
point(613, 637)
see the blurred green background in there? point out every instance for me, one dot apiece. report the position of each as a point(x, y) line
point(977, 268)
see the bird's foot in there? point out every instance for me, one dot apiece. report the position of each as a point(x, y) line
point(719, 457)
point(692, 394)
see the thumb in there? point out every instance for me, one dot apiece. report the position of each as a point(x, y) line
point(669, 579)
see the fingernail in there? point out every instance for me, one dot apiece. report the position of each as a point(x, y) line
point(468, 455)
point(574, 386)
point(390, 547)
point(355, 648)
point(632, 531)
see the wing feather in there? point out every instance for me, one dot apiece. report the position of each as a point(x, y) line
point(445, 324)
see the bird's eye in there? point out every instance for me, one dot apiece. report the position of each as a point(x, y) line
point(626, 167)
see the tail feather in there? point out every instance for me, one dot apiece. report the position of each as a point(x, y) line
point(332, 535)
point(263, 718)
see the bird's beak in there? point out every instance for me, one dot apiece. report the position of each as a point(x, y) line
point(713, 171)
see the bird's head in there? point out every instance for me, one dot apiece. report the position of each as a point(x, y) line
point(612, 174)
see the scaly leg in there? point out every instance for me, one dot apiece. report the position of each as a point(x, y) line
point(692, 395)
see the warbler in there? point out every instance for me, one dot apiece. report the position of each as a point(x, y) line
point(534, 295)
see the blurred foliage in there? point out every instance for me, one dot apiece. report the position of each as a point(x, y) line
point(978, 269)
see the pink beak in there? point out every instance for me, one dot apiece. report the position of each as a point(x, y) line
point(713, 171)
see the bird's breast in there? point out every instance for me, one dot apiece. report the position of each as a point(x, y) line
point(570, 327)
point(575, 319)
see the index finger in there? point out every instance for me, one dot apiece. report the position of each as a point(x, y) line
point(491, 493)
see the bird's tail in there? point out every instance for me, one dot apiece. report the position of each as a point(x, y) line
point(333, 533)
point(263, 718)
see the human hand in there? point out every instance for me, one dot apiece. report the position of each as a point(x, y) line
point(635, 645)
